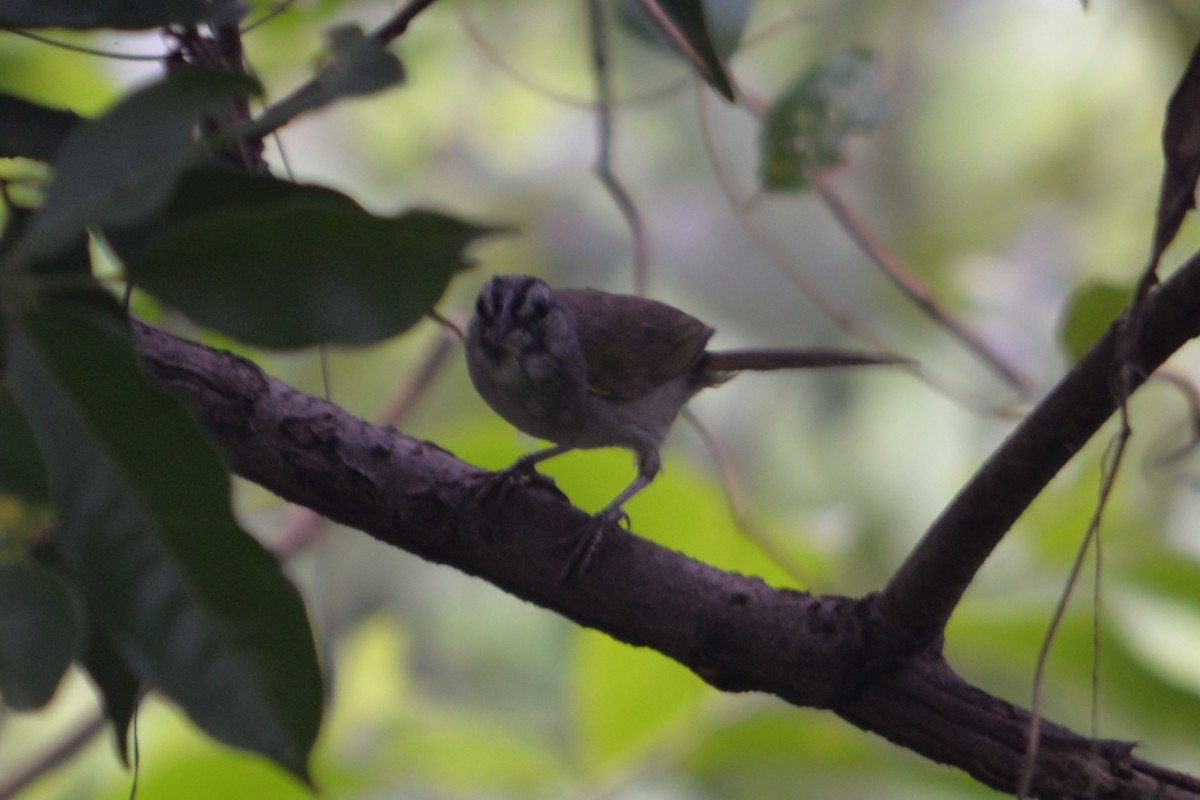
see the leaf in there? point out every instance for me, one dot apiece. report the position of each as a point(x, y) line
point(1090, 312)
point(193, 604)
point(504, 762)
point(21, 469)
point(29, 130)
point(118, 686)
point(74, 259)
point(1181, 154)
point(685, 25)
point(805, 129)
point(628, 698)
point(39, 632)
point(283, 265)
point(123, 14)
point(1163, 633)
point(118, 168)
point(726, 21)
point(356, 65)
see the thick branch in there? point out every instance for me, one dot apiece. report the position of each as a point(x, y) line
point(735, 632)
point(927, 588)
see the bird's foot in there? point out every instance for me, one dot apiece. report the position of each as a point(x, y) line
point(499, 485)
point(587, 541)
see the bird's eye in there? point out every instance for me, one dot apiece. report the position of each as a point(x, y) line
point(483, 309)
point(539, 309)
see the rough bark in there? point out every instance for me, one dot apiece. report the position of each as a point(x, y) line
point(875, 661)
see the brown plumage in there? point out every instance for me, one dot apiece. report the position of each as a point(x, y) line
point(584, 368)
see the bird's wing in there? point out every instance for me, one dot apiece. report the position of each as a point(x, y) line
point(633, 344)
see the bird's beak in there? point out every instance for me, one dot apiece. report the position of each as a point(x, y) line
point(504, 324)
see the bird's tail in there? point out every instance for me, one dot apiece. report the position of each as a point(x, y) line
point(727, 361)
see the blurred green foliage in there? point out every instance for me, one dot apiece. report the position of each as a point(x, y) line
point(1017, 168)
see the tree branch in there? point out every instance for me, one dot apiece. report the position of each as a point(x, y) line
point(852, 656)
point(925, 590)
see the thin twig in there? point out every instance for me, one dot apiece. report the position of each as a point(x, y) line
point(748, 526)
point(636, 98)
point(787, 266)
point(910, 286)
point(78, 48)
point(1097, 611)
point(896, 270)
point(799, 276)
point(384, 35)
point(62, 750)
point(1092, 535)
point(399, 23)
point(1191, 396)
point(303, 526)
point(497, 59)
point(404, 400)
point(270, 15)
point(598, 37)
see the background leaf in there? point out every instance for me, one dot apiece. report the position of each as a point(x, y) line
point(118, 168)
point(725, 21)
point(356, 65)
point(193, 604)
point(30, 130)
point(1181, 154)
point(117, 684)
point(39, 633)
point(283, 265)
point(21, 469)
point(119, 688)
point(1090, 311)
point(807, 126)
point(626, 697)
point(685, 25)
point(128, 14)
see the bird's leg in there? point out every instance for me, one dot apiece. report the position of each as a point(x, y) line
point(500, 483)
point(592, 533)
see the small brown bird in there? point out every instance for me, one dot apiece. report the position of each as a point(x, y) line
point(584, 368)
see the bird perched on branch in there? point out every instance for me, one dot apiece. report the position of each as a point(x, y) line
point(584, 368)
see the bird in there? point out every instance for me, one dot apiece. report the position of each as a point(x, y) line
point(585, 368)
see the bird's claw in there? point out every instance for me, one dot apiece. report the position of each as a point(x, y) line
point(499, 485)
point(587, 540)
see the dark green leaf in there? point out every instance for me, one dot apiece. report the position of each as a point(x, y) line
point(356, 65)
point(726, 22)
point(124, 14)
point(21, 469)
point(118, 168)
point(1091, 310)
point(29, 130)
point(193, 604)
point(73, 259)
point(117, 684)
point(281, 265)
point(1181, 157)
point(207, 189)
point(806, 128)
point(39, 632)
point(685, 25)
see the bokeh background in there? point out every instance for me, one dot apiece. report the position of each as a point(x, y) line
point(1015, 174)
